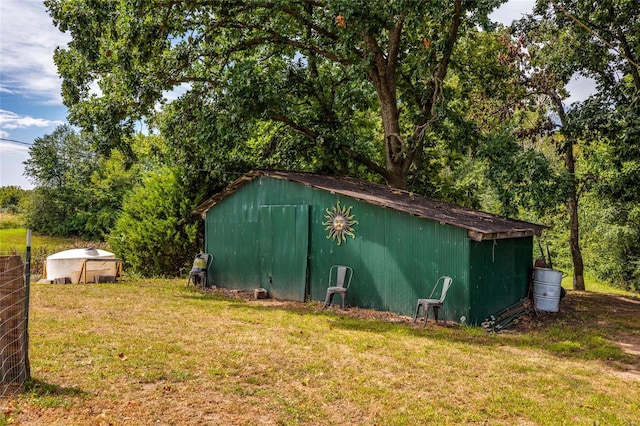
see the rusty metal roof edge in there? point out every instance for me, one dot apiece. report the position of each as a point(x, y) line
point(228, 190)
point(484, 236)
point(475, 233)
point(535, 228)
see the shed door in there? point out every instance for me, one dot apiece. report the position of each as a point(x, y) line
point(283, 244)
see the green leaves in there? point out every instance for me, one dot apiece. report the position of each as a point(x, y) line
point(315, 69)
point(78, 193)
point(59, 158)
point(156, 232)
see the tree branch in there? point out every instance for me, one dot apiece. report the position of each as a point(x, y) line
point(276, 38)
point(314, 136)
point(365, 161)
point(295, 126)
point(628, 55)
point(428, 110)
point(394, 49)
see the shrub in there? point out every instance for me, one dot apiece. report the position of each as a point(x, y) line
point(156, 234)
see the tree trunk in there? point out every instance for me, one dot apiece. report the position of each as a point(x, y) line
point(401, 154)
point(383, 76)
point(572, 202)
point(574, 228)
point(396, 173)
point(396, 176)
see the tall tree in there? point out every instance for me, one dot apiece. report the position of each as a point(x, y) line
point(57, 162)
point(312, 66)
point(77, 192)
point(539, 56)
point(569, 37)
point(500, 120)
point(57, 158)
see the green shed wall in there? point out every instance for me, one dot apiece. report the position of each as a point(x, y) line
point(499, 275)
point(396, 257)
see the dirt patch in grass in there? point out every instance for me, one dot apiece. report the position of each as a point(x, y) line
point(617, 316)
point(351, 311)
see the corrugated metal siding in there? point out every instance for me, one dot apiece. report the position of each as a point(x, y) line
point(231, 229)
point(283, 243)
point(235, 254)
point(499, 275)
point(396, 257)
point(232, 232)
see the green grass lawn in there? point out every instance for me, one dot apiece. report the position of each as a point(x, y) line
point(155, 352)
point(15, 239)
point(595, 285)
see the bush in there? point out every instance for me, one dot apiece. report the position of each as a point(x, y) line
point(11, 196)
point(156, 234)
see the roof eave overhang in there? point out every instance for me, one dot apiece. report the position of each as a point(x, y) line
point(231, 188)
point(483, 236)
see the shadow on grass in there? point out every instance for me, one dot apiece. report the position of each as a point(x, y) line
point(195, 295)
point(39, 389)
point(589, 326)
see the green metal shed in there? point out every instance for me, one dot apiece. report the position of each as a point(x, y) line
point(276, 230)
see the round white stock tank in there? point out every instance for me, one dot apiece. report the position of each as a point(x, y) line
point(69, 264)
point(547, 289)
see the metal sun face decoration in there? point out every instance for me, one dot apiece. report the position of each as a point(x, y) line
point(340, 223)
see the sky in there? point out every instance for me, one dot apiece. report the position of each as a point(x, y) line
point(30, 100)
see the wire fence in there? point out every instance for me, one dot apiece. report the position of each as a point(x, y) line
point(14, 313)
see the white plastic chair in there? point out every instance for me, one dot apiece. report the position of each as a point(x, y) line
point(436, 304)
point(343, 275)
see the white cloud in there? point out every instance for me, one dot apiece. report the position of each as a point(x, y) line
point(12, 154)
point(512, 11)
point(28, 39)
point(12, 148)
point(10, 120)
point(580, 88)
point(5, 89)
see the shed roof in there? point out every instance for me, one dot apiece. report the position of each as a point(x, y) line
point(479, 225)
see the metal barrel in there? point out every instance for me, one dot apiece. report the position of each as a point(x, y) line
point(547, 289)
